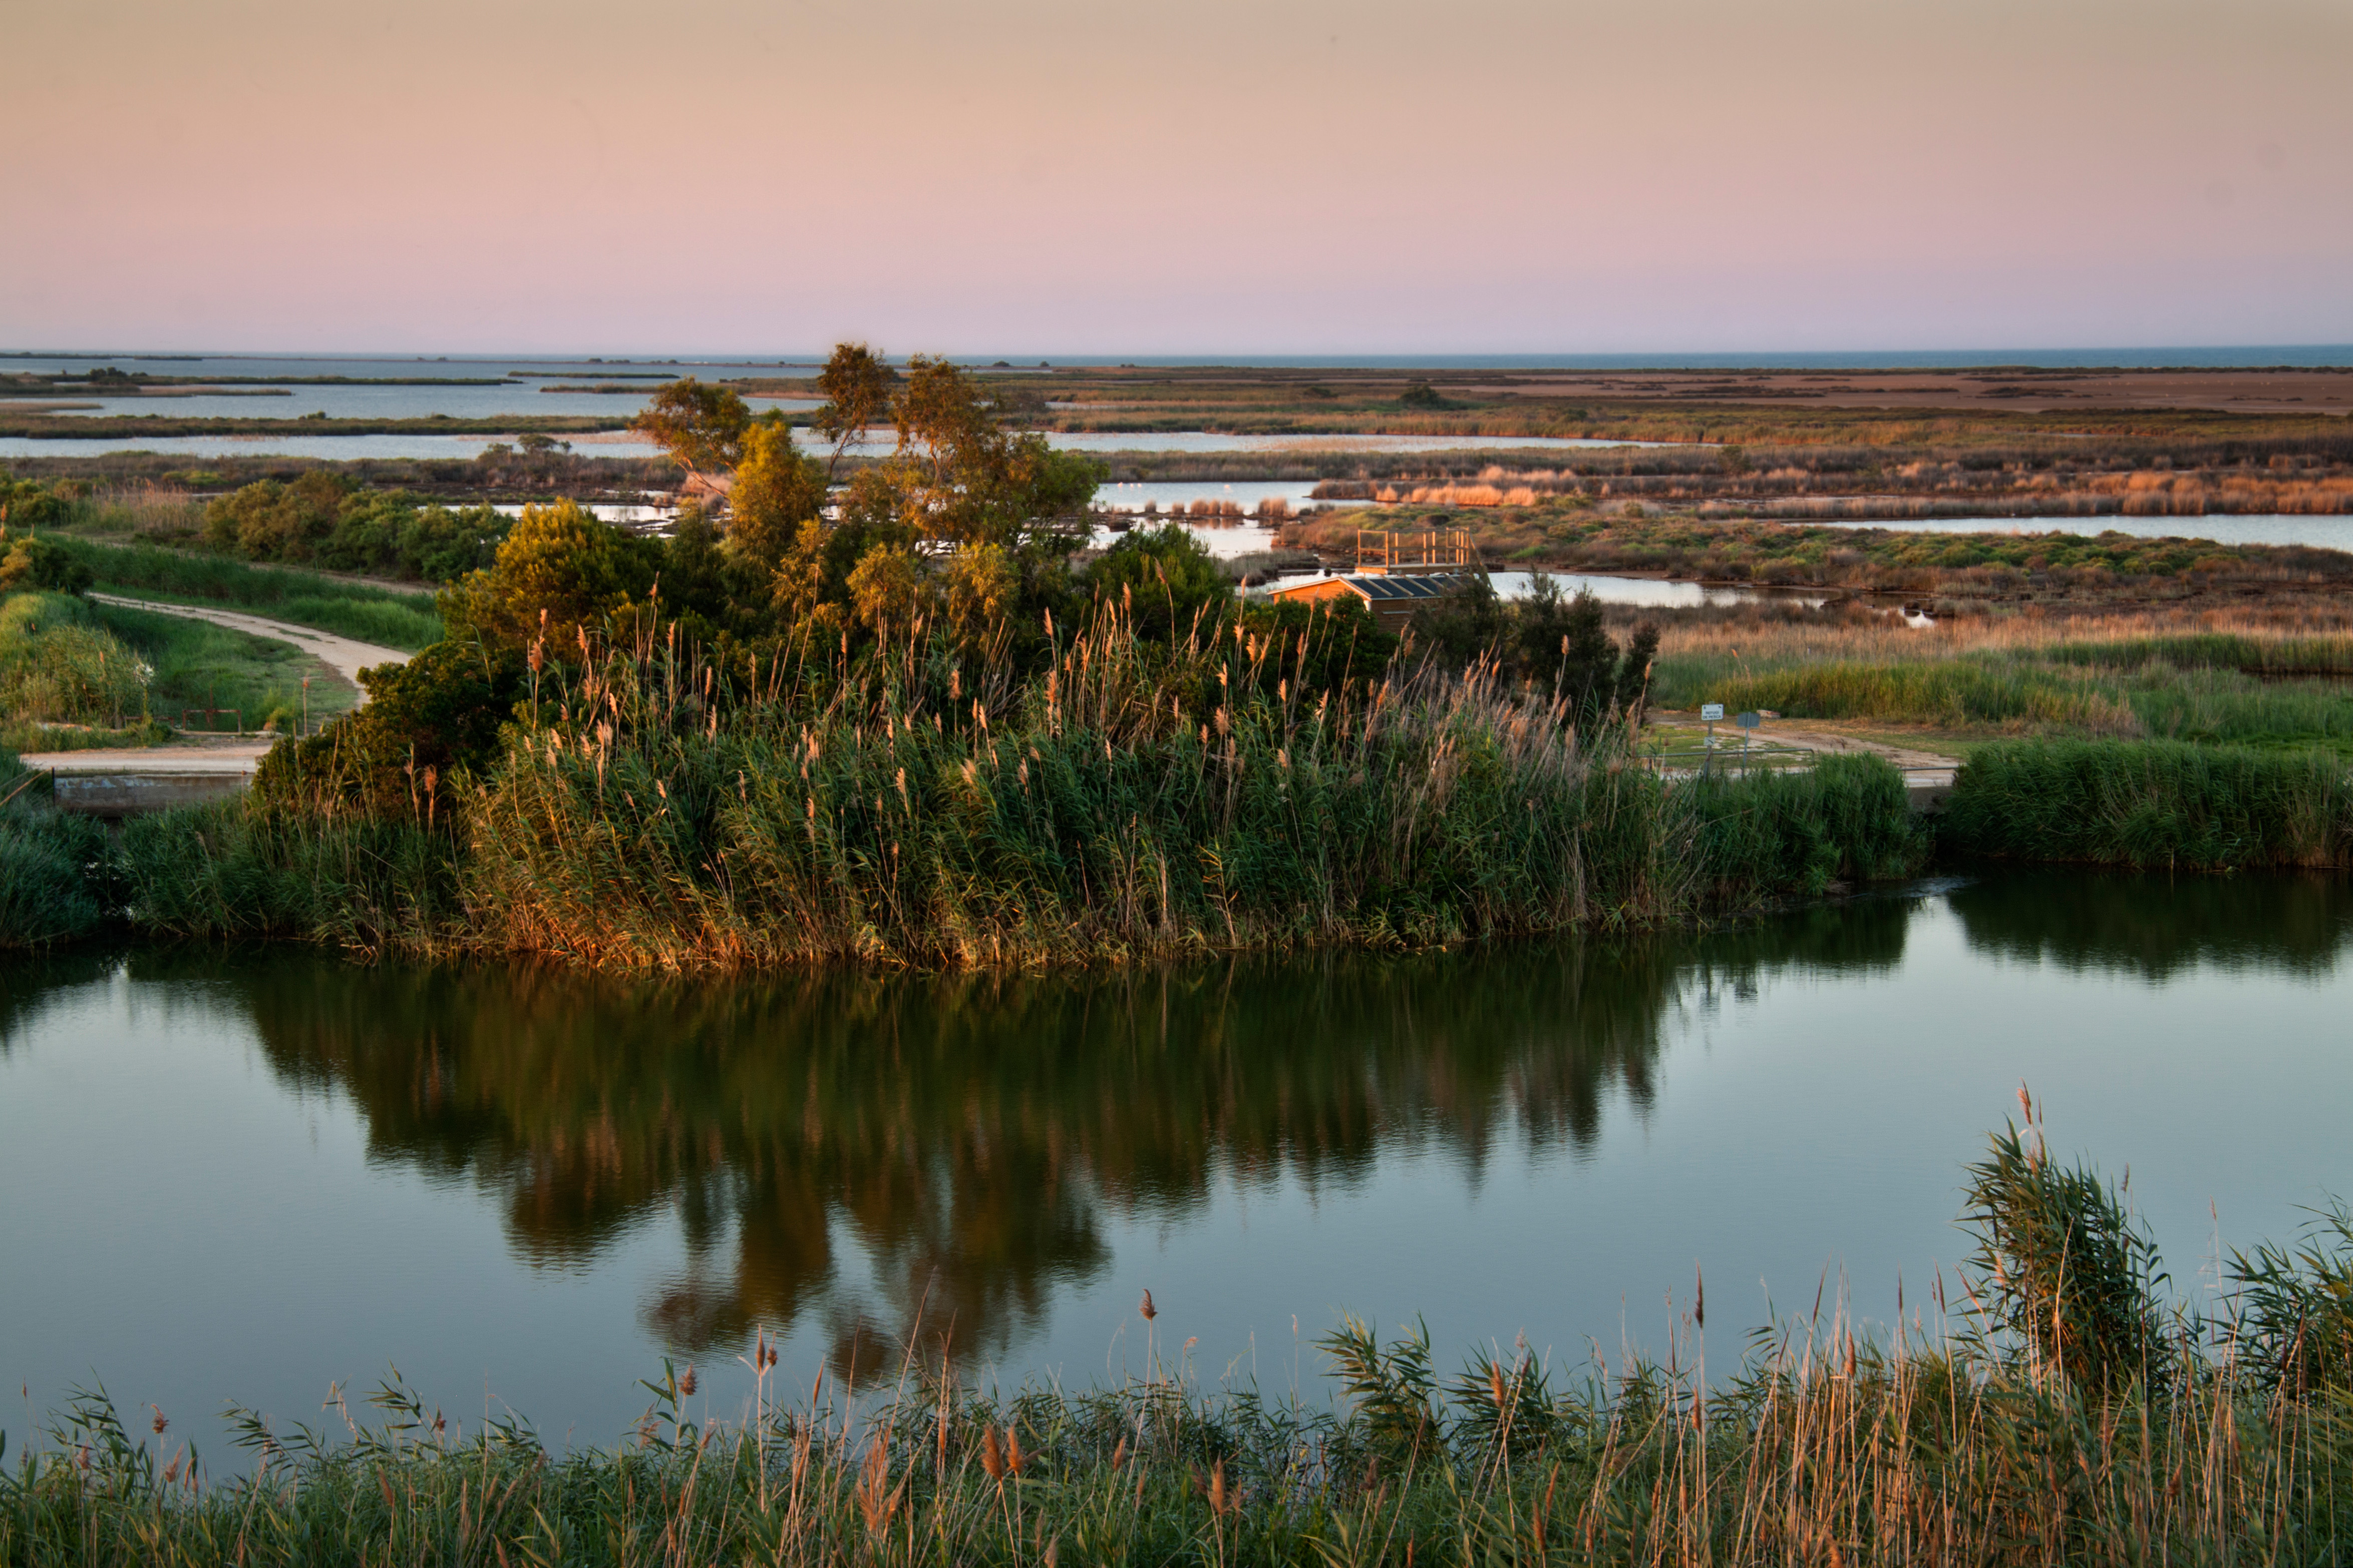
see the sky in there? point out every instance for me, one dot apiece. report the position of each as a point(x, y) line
point(1101, 176)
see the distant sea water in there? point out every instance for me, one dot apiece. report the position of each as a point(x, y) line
point(2228, 356)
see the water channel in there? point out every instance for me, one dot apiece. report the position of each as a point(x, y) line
point(263, 1172)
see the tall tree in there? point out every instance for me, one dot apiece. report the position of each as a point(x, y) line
point(776, 490)
point(857, 387)
point(701, 427)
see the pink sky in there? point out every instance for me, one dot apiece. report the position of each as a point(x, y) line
point(1086, 177)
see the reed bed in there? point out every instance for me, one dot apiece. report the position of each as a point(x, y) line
point(1126, 802)
point(2152, 804)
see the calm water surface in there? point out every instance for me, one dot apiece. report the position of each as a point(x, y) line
point(251, 1175)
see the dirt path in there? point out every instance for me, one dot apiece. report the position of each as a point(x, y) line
point(215, 754)
point(342, 655)
point(1920, 767)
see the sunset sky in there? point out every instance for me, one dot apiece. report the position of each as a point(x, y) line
point(1092, 176)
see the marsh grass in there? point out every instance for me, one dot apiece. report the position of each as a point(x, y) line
point(2275, 679)
point(2064, 1416)
point(651, 812)
point(2151, 804)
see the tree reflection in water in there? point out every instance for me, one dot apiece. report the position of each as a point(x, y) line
point(971, 1135)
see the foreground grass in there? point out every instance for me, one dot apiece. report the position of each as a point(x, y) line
point(355, 610)
point(2070, 1415)
point(1822, 1452)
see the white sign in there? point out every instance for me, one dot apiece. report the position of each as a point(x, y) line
point(1711, 713)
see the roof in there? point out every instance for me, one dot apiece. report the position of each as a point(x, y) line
point(1376, 590)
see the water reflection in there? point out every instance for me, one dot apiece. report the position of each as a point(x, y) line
point(969, 1138)
point(848, 1155)
point(2156, 927)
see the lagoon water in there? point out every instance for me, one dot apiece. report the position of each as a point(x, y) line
point(253, 1174)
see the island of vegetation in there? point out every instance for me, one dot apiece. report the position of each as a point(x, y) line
point(908, 709)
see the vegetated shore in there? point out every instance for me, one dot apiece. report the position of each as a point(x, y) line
point(1457, 791)
point(2058, 1407)
point(893, 812)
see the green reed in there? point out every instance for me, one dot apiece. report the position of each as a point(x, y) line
point(912, 806)
point(2151, 804)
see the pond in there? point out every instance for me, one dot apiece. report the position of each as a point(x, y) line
point(251, 1175)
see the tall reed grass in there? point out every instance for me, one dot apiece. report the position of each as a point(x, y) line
point(2151, 804)
point(1128, 801)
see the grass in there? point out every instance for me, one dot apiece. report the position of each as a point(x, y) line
point(2273, 678)
point(362, 612)
point(198, 664)
point(2153, 803)
point(2066, 1415)
point(61, 665)
point(647, 818)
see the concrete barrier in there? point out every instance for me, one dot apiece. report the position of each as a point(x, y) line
point(134, 794)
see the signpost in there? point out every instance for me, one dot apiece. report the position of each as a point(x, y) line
point(1748, 722)
point(1710, 715)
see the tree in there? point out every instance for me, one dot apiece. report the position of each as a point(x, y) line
point(271, 521)
point(1548, 637)
point(424, 720)
point(886, 587)
point(983, 586)
point(559, 569)
point(776, 490)
point(958, 475)
point(701, 427)
point(1164, 577)
point(857, 387)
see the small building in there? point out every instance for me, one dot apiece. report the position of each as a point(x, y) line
point(1392, 596)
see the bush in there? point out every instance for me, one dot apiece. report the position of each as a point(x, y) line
point(31, 561)
point(424, 723)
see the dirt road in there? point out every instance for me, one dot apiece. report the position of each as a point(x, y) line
point(342, 655)
point(215, 755)
point(1920, 767)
